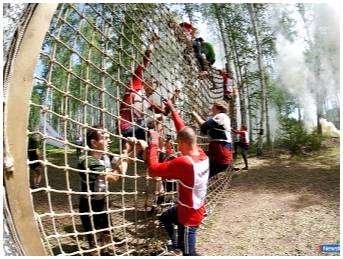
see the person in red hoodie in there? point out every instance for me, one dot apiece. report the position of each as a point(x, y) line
point(191, 169)
point(138, 93)
point(188, 29)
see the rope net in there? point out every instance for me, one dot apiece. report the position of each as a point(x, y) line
point(88, 57)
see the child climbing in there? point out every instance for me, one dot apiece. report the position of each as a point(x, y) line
point(227, 84)
point(204, 48)
point(136, 97)
point(188, 29)
point(184, 31)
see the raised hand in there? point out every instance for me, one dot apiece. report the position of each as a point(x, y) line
point(153, 137)
point(169, 104)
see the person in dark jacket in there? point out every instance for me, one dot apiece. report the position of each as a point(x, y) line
point(201, 49)
point(218, 127)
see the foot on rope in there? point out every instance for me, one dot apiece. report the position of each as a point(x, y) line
point(236, 172)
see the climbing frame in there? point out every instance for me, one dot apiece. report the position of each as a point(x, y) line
point(86, 60)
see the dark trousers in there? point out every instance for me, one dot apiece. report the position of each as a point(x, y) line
point(100, 220)
point(216, 168)
point(136, 131)
point(168, 187)
point(198, 55)
point(244, 151)
point(186, 235)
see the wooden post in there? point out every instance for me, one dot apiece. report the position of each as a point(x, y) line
point(16, 124)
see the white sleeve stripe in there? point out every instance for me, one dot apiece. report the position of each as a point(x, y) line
point(184, 205)
point(185, 185)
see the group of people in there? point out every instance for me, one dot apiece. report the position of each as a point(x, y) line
point(204, 53)
point(192, 167)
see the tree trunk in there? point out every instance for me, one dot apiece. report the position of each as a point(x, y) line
point(238, 66)
point(269, 142)
point(249, 117)
point(319, 113)
point(262, 78)
point(299, 114)
point(189, 12)
point(223, 35)
point(227, 49)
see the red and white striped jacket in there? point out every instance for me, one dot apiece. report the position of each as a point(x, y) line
point(192, 173)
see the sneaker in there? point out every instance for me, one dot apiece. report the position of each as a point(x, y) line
point(174, 252)
point(208, 212)
point(245, 168)
point(105, 253)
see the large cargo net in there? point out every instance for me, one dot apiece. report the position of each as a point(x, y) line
point(87, 58)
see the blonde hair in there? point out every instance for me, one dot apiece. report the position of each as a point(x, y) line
point(221, 106)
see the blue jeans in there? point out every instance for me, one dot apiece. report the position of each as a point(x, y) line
point(186, 235)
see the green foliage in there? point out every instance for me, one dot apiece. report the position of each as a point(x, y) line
point(296, 138)
point(285, 103)
point(75, 66)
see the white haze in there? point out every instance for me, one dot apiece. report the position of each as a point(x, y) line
point(294, 73)
point(329, 129)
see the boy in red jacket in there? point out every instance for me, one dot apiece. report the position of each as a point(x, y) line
point(191, 169)
point(243, 144)
point(137, 95)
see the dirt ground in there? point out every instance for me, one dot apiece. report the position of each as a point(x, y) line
point(136, 231)
point(282, 206)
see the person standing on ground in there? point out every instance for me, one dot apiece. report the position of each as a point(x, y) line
point(95, 176)
point(242, 144)
point(34, 154)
